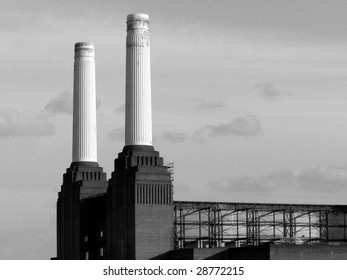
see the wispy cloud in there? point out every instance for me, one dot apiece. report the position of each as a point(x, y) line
point(174, 137)
point(210, 105)
point(120, 109)
point(63, 104)
point(268, 90)
point(314, 186)
point(116, 134)
point(248, 126)
point(15, 124)
point(98, 103)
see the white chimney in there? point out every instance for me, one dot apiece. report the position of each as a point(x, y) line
point(84, 105)
point(138, 112)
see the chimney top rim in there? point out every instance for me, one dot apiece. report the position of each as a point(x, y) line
point(137, 16)
point(89, 45)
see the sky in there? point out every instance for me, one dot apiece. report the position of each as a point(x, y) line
point(249, 102)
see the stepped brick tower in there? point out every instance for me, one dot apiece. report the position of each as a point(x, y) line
point(78, 230)
point(140, 215)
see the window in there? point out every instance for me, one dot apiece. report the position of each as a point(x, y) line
point(86, 238)
point(101, 233)
point(87, 255)
point(101, 252)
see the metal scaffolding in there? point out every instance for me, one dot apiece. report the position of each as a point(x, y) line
point(218, 224)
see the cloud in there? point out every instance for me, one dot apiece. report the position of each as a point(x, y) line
point(210, 105)
point(248, 126)
point(15, 124)
point(174, 137)
point(98, 103)
point(116, 134)
point(324, 184)
point(268, 91)
point(324, 179)
point(120, 109)
point(63, 104)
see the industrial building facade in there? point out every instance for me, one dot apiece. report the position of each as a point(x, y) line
point(133, 215)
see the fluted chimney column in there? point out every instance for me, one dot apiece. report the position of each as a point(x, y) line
point(138, 112)
point(84, 105)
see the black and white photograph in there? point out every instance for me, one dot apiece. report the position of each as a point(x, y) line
point(173, 130)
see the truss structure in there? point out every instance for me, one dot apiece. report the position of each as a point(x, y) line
point(218, 224)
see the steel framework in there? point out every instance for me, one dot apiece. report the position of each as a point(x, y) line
point(218, 224)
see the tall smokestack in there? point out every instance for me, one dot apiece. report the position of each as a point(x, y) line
point(138, 112)
point(140, 187)
point(84, 178)
point(84, 105)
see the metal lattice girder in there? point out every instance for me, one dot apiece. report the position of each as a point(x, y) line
point(216, 224)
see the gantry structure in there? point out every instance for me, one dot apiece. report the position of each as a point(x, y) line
point(220, 224)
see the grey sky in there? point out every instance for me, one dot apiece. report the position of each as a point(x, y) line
point(217, 67)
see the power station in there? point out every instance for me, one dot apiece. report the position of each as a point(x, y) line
point(133, 215)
